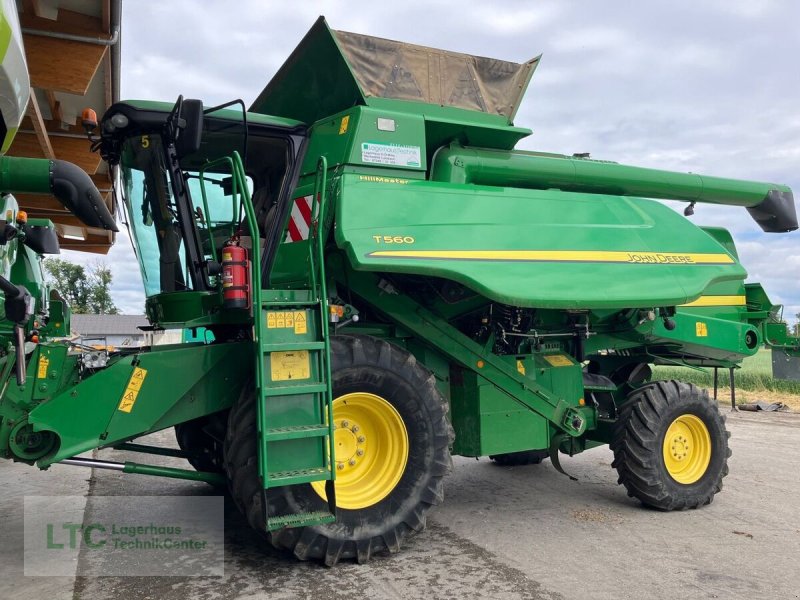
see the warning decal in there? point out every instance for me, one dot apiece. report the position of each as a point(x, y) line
point(299, 322)
point(289, 319)
point(289, 365)
point(558, 360)
point(44, 362)
point(132, 391)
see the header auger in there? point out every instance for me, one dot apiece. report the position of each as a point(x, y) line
point(382, 281)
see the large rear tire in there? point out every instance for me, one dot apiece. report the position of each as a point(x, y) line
point(392, 402)
point(671, 446)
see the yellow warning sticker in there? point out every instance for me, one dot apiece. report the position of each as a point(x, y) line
point(289, 365)
point(558, 360)
point(41, 371)
point(521, 367)
point(132, 391)
point(289, 319)
point(701, 329)
point(300, 325)
point(345, 123)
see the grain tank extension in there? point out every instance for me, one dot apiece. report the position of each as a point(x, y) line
point(381, 281)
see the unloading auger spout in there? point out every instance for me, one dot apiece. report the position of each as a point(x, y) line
point(770, 205)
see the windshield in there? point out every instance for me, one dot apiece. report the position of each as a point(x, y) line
point(152, 216)
point(154, 221)
point(212, 214)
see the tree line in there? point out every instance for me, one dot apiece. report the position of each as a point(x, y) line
point(87, 290)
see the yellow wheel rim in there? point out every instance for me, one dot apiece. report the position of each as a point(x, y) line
point(371, 450)
point(687, 449)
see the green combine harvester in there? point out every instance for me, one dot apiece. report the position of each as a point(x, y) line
point(376, 280)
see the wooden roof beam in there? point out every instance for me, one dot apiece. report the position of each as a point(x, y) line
point(69, 22)
point(32, 7)
point(62, 65)
point(38, 127)
point(56, 114)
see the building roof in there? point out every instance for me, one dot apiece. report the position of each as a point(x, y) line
point(72, 50)
point(89, 325)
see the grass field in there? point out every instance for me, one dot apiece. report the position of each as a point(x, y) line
point(754, 381)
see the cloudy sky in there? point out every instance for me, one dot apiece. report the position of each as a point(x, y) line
point(710, 87)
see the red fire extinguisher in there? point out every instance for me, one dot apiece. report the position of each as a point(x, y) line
point(235, 275)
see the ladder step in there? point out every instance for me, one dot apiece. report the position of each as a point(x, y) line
point(290, 304)
point(281, 478)
point(297, 432)
point(292, 390)
point(300, 520)
point(292, 346)
point(278, 304)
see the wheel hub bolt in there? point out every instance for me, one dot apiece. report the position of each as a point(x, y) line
point(359, 452)
point(340, 466)
point(361, 439)
point(345, 424)
point(355, 429)
point(352, 462)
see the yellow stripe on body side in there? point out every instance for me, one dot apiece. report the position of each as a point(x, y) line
point(671, 258)
point(718, 301)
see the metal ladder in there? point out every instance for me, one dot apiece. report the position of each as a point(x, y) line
point(295, 413)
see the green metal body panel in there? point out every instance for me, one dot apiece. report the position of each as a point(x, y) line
point(181, 383)
point(347, 138)
point(178, 310)
point(488, 421)
point(498, 241)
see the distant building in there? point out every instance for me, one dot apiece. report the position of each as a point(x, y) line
point(119, 330)
point(109, 330)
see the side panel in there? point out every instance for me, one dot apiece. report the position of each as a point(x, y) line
point(144, 393)
point(537, 248)
point(488, 421)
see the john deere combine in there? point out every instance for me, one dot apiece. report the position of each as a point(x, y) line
point(383, 281)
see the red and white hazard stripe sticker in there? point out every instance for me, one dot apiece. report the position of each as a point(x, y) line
point(300, 221)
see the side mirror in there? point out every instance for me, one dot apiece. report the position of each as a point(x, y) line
point(191, 130)
point(42, 239)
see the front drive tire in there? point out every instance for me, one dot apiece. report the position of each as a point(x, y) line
point(670, 446)
point(380, 517)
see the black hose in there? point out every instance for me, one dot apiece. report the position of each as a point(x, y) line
point(9, 289)
point(78, 193)
point(19, 346)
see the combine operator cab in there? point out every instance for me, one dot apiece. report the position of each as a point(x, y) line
point(186, 209)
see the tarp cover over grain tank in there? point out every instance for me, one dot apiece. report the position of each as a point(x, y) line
point(331, 71)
